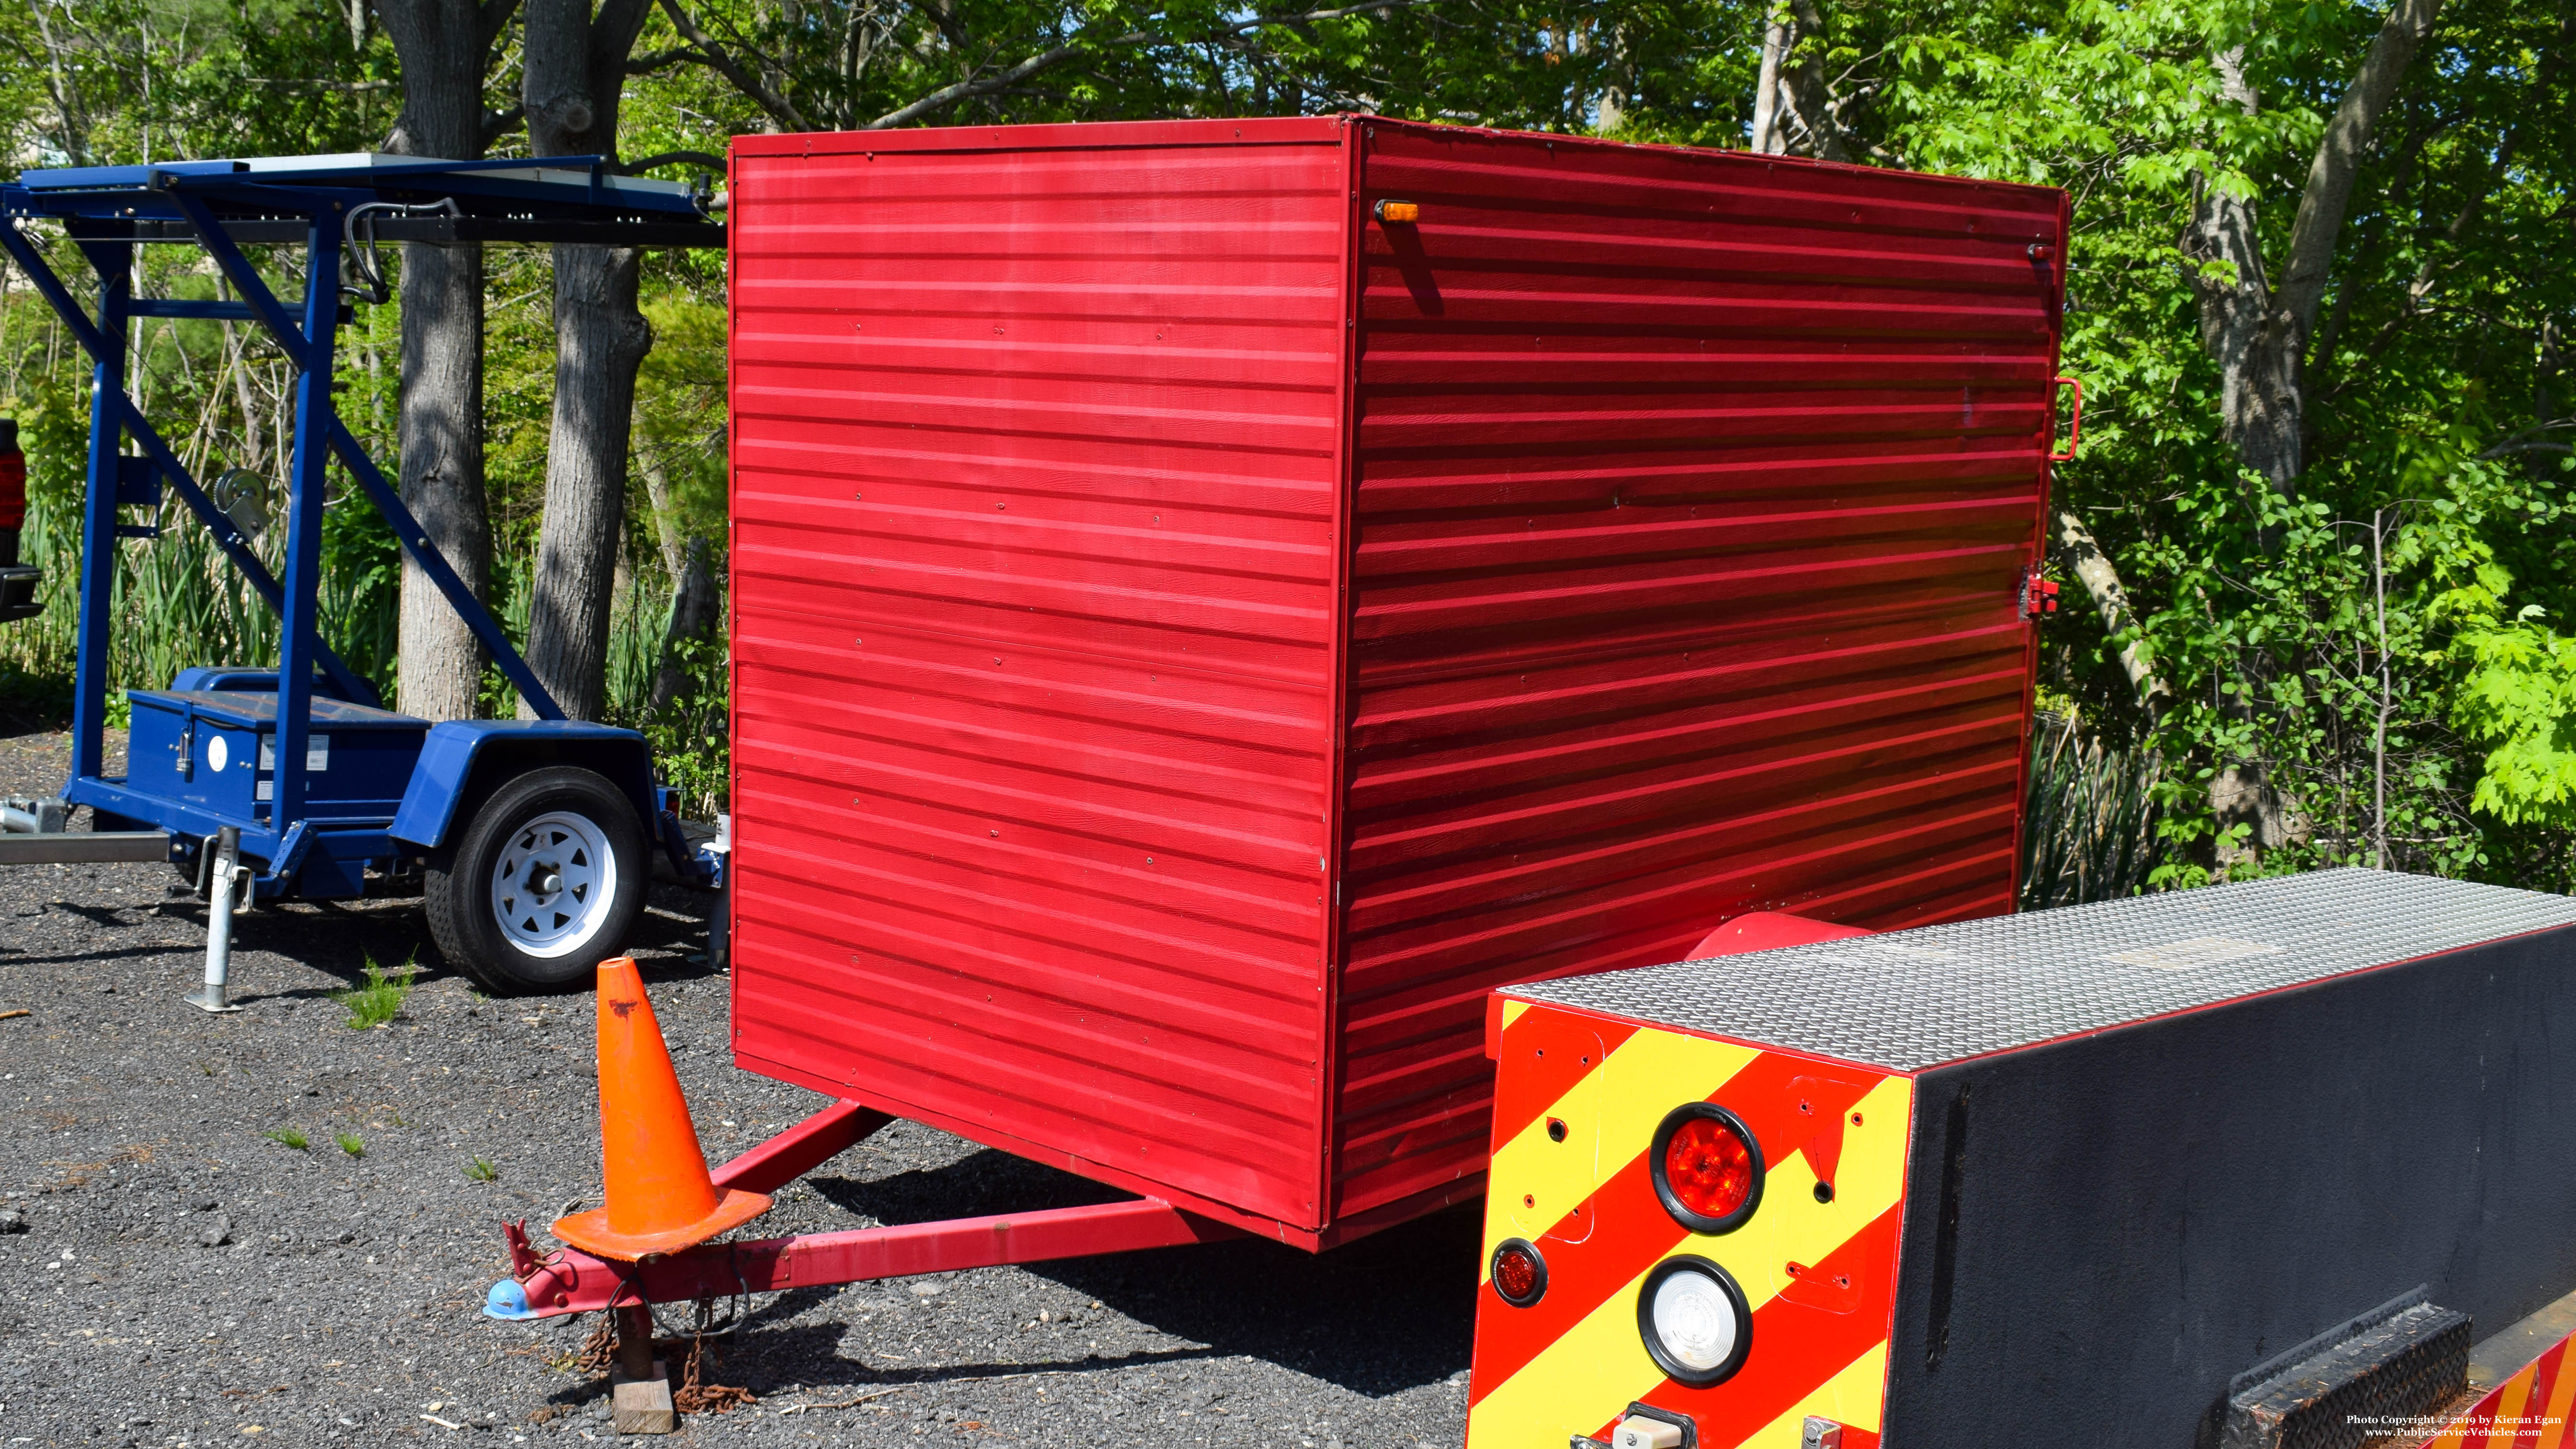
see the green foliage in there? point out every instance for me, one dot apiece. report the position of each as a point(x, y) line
point(2518, 698)
point(98, 82)
point(1677, 70)
point(2361, 641)
point(351, 1143)
point(381, 998)
point(481, 1169)
point(681, 436)
point(688, 736)
point(289, 1136)
point(194, 78)
point(177, 599)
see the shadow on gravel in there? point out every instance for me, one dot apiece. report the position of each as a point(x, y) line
point(1393, 1311)
point(121, 953)
point(979, 1184)
point(340, 938)
point(811, 1358)
point(104, 916)
point(798, 1357)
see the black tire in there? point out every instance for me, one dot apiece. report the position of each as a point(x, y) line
point(525, 823)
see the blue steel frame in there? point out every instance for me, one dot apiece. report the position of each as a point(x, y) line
point(204, 196)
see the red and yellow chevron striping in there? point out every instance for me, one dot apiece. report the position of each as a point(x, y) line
point(2527, 1411)
point(1578, 1106)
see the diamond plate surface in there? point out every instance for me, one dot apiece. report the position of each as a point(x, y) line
point(1909, 1000)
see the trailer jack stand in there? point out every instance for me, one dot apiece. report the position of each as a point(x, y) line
point(640, 1388)
point(224, 885)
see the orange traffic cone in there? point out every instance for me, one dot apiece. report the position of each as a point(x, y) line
point(660, 1198)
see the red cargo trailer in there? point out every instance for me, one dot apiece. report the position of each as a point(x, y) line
point(1212, 599)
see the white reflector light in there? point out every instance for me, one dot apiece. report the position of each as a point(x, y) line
point(1694, 1320)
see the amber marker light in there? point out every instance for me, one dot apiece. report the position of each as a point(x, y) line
point(1399, 212)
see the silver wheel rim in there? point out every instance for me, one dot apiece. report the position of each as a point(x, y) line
point(554, 883)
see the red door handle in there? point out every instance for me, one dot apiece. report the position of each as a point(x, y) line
point(2074, 423)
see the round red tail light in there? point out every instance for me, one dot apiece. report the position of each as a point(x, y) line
point(1519, 1273)
point(1710, 1168)
point(1707, 1168)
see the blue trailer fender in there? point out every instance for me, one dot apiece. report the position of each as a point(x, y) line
point(464, 756)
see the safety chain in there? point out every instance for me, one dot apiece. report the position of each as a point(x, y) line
point(597, 1355)
point(695, 1396)
point(598, 1352)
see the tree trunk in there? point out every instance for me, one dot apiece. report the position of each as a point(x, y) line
point(694, 605)
point(2544, 392)
point(2101, 580)
point(666, 518)
point(1807, 94)
point(445, 46)
point(2258, 376)
point(71, 114)
point(600, 340)
point(1766, 88)
point(575, 70)
point(441, 426)
point(2258, 333)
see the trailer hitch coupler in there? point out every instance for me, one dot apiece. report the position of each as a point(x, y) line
point(542, 1294)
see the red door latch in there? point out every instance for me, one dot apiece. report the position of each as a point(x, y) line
point(2038, 595)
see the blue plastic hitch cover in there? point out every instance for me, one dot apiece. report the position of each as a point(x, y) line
point(507, 1301)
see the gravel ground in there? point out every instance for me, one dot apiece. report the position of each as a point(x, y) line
point(171, 1273)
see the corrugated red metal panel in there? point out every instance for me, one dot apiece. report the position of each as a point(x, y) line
point(1693, 495)
point(1036, 460)
point(1137, 551)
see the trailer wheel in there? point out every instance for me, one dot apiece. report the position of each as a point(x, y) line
point(542, 881)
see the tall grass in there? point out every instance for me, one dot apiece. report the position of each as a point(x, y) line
point(2089, 827)
point(178, 601)
point(639, 617)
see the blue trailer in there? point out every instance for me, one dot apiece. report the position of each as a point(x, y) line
point(532, 842)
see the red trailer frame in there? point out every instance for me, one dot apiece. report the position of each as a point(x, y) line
point(572, 1281)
